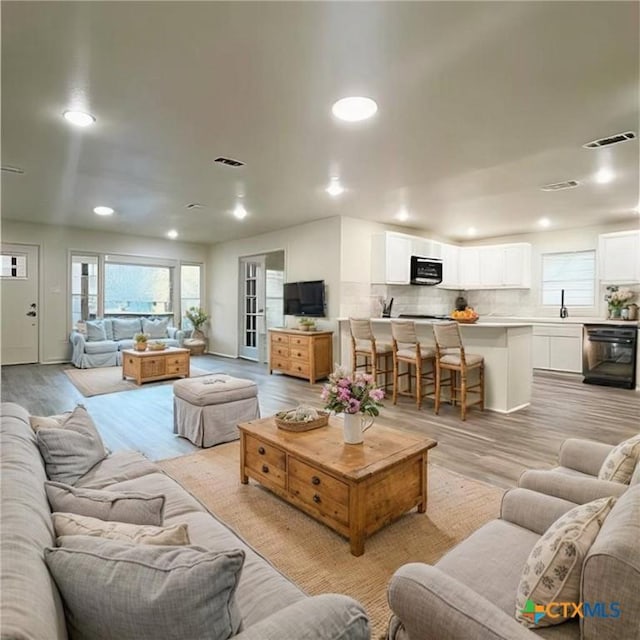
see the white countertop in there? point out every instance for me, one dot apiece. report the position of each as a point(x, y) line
point(557, 320)
point(480, 324)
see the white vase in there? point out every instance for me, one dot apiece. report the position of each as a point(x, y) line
point(355, 424)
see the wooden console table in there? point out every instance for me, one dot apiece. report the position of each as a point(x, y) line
point(304, 354)
point(145, 366)
point(353, 489)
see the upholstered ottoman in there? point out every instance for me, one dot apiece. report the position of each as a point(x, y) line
point(207, 410)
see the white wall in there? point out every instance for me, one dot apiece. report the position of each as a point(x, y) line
point(312, 252)
point(56, 243)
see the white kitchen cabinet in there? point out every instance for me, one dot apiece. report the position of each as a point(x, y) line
point(619, 255)
point(491, 263)
point(391, 258)
point(450, 267)
point(557, 347)
point(502, 266)
point(517, 266)
point(469, 268)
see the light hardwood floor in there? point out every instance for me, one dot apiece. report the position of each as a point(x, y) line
point(489, 446)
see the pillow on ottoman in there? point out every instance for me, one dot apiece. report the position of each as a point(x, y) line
point(553, 570)
point(125, 506)
point(72, 524)
point(618, 466)
point(143, 592)
point(72, 448)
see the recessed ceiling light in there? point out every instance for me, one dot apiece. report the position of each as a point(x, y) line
point(335, 188)
point(239, 211)
point(544, 222)
point(354, 109)
point(402, 215)
point(79, 118)
point(173, 234)
point(604, 176)
point(103, 211)
point(471, 231)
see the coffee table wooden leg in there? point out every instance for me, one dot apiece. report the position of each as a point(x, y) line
point(244, 479)
point(422, 505)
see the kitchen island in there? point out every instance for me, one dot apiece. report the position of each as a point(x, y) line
point(505, 346)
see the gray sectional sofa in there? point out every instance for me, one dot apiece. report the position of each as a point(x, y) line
point(272, 607)
point(102, 341)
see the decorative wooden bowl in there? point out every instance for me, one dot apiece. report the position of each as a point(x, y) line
point(289, 425)
point(156, 346)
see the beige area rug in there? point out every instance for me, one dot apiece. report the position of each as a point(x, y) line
point(101, 380)
point(315, 557)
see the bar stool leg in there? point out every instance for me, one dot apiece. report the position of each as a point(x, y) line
point(418, 383)
point(463, 394)
point(395, 380)
point(482, 386)
point(437, 393)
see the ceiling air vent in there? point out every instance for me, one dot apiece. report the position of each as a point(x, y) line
point(8, 169)
point(604, 142)
point(229, 161)
point(559, 186)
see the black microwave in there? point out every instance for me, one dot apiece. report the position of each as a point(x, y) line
point(426, 271)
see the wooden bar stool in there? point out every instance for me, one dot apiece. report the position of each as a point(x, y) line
point(451, 357)
point(378, 356)
point(407, 349)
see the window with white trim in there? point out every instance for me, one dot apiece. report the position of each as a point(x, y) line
point(575, 272)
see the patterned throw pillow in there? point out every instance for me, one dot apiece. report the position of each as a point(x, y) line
point(72, 524)
point(554, 567)
point(621, 461)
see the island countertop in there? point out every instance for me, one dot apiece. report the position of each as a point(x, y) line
point(505, 346)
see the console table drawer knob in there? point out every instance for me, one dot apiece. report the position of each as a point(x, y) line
point(261, 451)
point(315, 480)
point(265, 468)
point(316, 498)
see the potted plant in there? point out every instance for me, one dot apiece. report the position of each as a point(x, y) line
point(198, 318)
point(140, 341)
point(306, 324)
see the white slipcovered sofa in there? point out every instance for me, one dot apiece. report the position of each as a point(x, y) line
point(102, 341)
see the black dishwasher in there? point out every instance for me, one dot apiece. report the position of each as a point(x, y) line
point(609, 355)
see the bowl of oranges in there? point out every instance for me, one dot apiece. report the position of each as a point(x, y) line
point(466, 316)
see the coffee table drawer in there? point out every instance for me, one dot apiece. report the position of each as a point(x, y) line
point(153, 367)
point(177, 368)
point(266, 461)
point(320, 490)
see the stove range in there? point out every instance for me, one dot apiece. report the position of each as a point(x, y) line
point(420, 316)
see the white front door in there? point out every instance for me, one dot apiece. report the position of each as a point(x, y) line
point(19, 299)
point(252, 299)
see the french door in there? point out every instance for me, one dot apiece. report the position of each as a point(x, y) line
point(19, 297)
point(252, 333)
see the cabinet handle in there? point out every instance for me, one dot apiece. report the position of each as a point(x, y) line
point(316, 498)
point(265, 469)
point(261, 451)
point(315, 480)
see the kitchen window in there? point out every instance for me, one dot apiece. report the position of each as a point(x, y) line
point(575, 272)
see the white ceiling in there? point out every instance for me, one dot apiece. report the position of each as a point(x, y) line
point(480, 103)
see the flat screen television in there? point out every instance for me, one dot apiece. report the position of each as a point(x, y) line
point(304, 298)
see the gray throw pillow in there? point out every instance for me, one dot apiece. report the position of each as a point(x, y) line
point(143, 592)
point(122, 506)
point(72, 448)
point(96, 330)
point(155, 328)
point(125, 328)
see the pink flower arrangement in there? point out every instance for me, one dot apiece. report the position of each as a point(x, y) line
point(352, 394)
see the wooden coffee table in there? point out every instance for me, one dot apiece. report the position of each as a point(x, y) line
point(146, 366)
point(354, 489)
